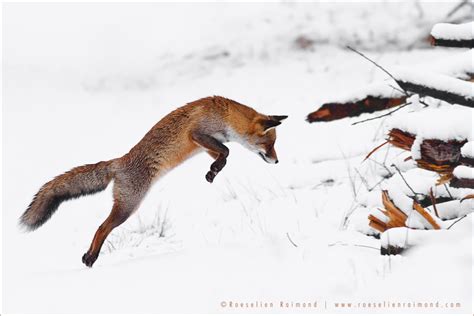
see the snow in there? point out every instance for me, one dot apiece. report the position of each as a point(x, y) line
point(84, 84)
point(458, 65)
point(447, 31)
point(377, 90)
point(455, 208)
point(467, 150)
point(404, 237)
point(436, 81)
point(444, 123)
point(463, 172)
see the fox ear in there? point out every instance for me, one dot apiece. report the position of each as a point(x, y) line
point(278, 118)
point(269, 124)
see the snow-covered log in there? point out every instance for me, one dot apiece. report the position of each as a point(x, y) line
point(453, 35)
point(441, 156)
point(463, 177)
point(374, 97)
point(467, 154)
point(435, 85)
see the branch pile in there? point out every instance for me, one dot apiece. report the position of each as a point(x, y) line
point(438, 139)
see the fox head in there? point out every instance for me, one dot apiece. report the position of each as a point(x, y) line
point(261, 139)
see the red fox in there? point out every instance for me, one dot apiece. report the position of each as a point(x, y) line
point(205, 124)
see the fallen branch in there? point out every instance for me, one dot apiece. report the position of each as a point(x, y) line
point(338, 110)
point(452, 35)
point(437, 86)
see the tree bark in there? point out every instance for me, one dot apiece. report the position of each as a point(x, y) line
point(468, 43)
point(335, 111)
point(436, 93)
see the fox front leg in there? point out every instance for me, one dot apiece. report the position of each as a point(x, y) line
point(216, 149)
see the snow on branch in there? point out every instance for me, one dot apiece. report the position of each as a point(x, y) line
point(438, 86)
point(453, 35)
point(463, 177)
point(458, 65)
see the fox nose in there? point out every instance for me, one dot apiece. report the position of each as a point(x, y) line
point(276, 161)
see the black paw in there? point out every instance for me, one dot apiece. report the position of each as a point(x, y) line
point(210, 176)
point(88, 259)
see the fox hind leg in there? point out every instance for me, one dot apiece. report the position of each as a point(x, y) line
point(117, 216)
point(126, 201)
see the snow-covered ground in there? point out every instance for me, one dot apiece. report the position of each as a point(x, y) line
point(84, 83)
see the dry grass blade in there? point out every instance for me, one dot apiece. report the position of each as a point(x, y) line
point(374, 150)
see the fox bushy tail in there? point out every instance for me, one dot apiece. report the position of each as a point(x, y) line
point(83, 180)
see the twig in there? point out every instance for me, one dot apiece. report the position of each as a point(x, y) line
point(364, 181)
point(415, 195)
point(456, 8)
point(289, 238)
point(386, 114)
point(377, 184)
point(351, 179)
point(383, 165)
point(433, 201)
point(378, 66)
point(447, 190)
point(395, 88)
point(341, 244)
point(456, 221)
point(373, 150)
point(424, 103)
point(385, 159)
